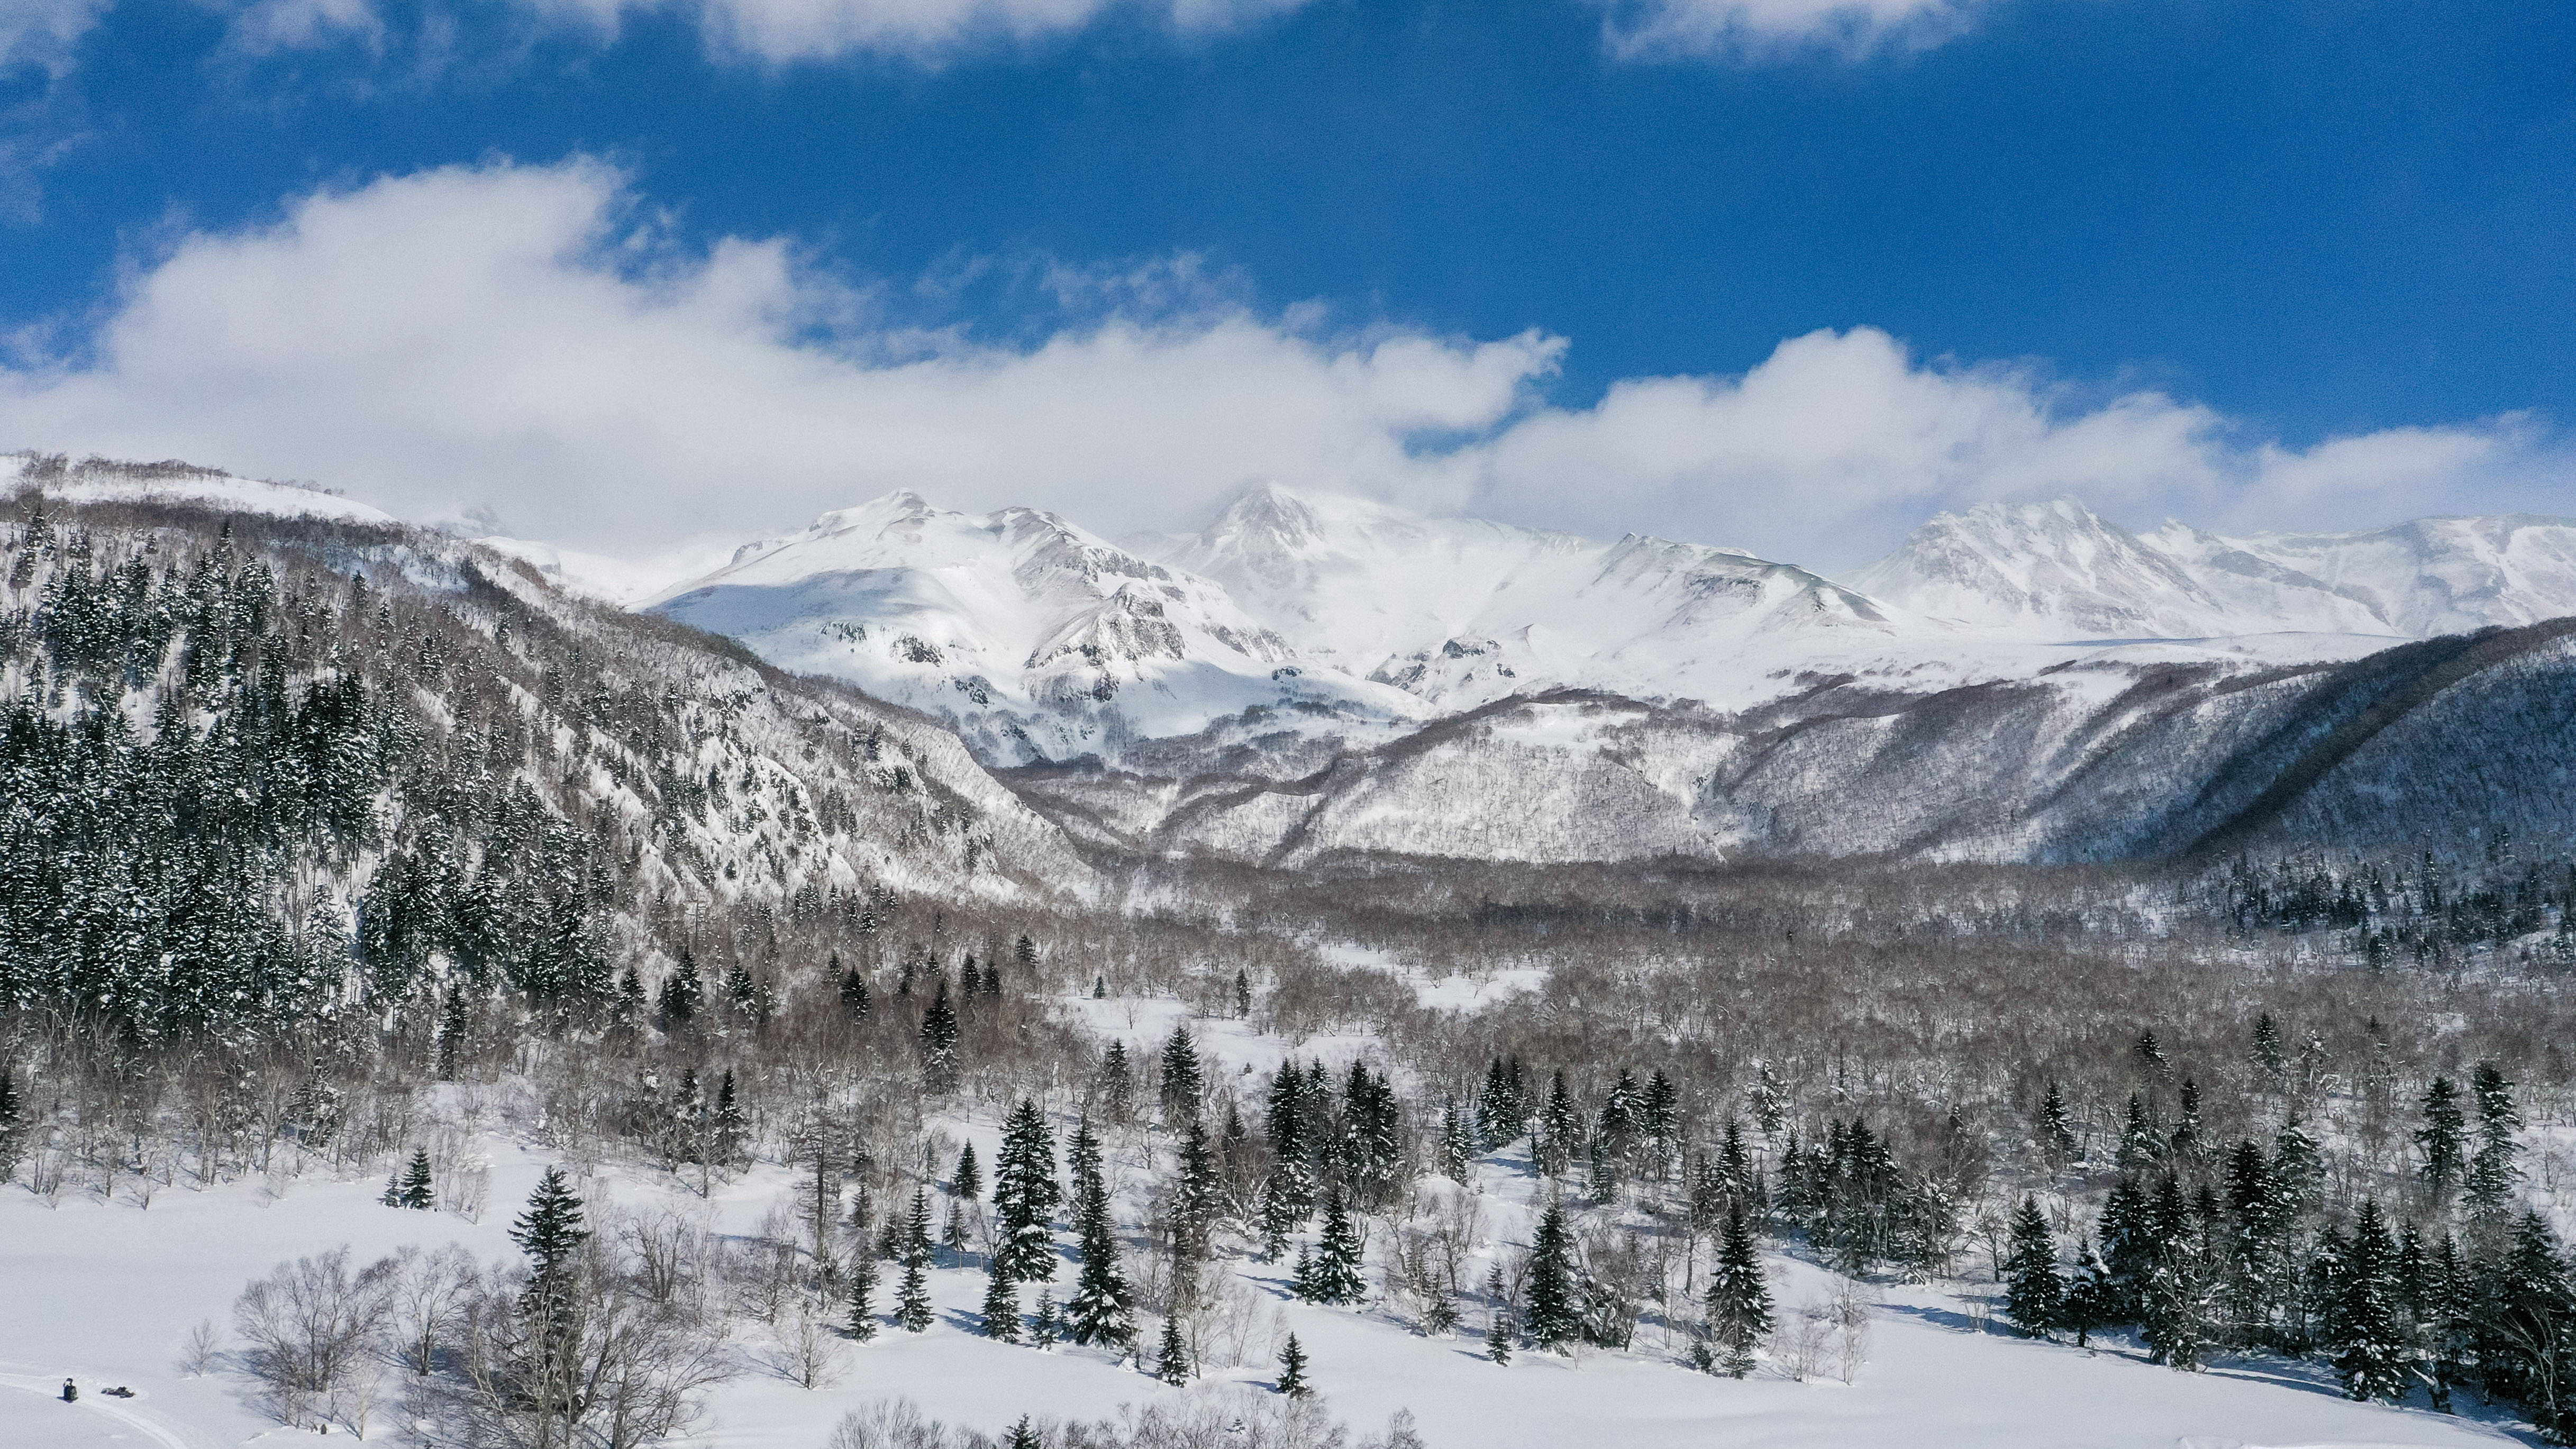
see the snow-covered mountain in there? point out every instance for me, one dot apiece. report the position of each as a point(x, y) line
point(1030, 636)
point(1460, 611)
point(2059, 571)
point(106, 480)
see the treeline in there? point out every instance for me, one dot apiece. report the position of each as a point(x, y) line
point(2427, 909)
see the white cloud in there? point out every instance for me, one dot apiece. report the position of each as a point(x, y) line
point(773, 31)
point(507, 336)
point(513, 337)
point(1838, 441)
point(1757, 30)
point(42, 33)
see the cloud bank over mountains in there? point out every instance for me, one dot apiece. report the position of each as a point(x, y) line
point(527, 338)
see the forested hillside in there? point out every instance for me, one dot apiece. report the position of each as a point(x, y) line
point(259, 770)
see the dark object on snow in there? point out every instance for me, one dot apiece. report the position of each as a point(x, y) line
point(119, 1392)
point(71, 1392)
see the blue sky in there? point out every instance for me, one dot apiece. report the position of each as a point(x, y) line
point(1765, 272)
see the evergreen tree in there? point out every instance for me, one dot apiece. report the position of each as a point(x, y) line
point(1195, 1195)
point(912, 1300)
point(1001, 1305)
point(2056, 1135)
point(550, 1232)
point(1336, 1274)
point(1172, 1355)
point(731, 1133)
point(1738, 1299)
point(863, 1291)
point(1457, 1150)
point(1560, 1130)
point(2094, 1298)
point(1046, 1325)
point(1554, 1318)
point(1292, 1370)
point(417, 1192)
point(2035, 1297)
point(1025, 1196)
point(1242, 996)
point(2173, 1306)
point(1023, 1435)
point(939, 1034)
point(392, 1195)
point(2441, 1137)
point(2371, 1354)
point(682, 992)
point(1183, 1082)
point(2494, 1171)
point(968, 1180)
point(1100, 1310)
point(854, 990)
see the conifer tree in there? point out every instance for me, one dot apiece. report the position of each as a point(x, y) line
point(2371, 1355)
point(1023, 1435)
point(682, 992)
point(417, 1191)
point(1336, 1274)
point(2093, 1297)
point(13, 1125)
point(1101, 1310)
point(1194, 1195)
point(854, 990)
point(1457, 1151)
point(862, 1322)
point(1498, 1325)
point(912, 1300)
point(1046, 1324)
point(1242, 995)
point(968, 1180)
point(1560, 1130)
point(1183, 1082)
point(392, 1195)
point(1738, 1299)
point(550, 1232)
point(939, 1036)
point(2056, 1135)
point(1554, 1318)
point(731, 1133)
point(2441, 1137)
point(1001, 1313)
point(2494, 1171)
point(1292, 1370)
point(2035, 1296)
point(1117, 1083)
point(1025, 1196)
point(1172, 1355)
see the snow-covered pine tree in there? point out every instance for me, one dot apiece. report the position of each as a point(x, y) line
point(418, 1191)
point(2034, 1296)
point(2494, 1171)
point(1554, 1318)
point(1242, 995)
point(862, 1320)
point(1117, 1086)
point(1560, 1130)
point(550, 1232)
point(1046, 1323)
point(1195, 1194)
point(939, 1035)
point(1183, 1082)
point(1025, 1196)
point(1338, 1274)
point(13, 1125)
point(1023, 1435)
point(2371, 1353)
point(1101, 1310)
point(731, 1133)
point(1292, 1370)
point(2055, 1137)
point(2441, 1138)
point(1001, 1313)
point(392, 1195)
point(1738, 1300)
point(1457, 1150)
point(912, 1300)
point(1172, 1355)
point(968, 1180)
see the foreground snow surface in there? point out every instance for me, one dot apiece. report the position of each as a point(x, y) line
point(107, 1292)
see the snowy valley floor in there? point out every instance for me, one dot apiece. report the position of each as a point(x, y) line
point(107, 1292)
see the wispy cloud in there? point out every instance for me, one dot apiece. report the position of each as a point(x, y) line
point(1769, 30)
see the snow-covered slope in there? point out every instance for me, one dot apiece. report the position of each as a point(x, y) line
point(101, 480)
point(623, 582)
point(1460, 611)
point(1032, 637)
point(2057, 570)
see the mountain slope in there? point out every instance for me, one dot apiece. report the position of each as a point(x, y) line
point(1033, 638)
point(2059, 571)
point(1463, 611)
point(261, 767)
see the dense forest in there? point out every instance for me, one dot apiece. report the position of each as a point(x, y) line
point(326, 847)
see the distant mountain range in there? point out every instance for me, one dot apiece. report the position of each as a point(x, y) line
point(1317, 677)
